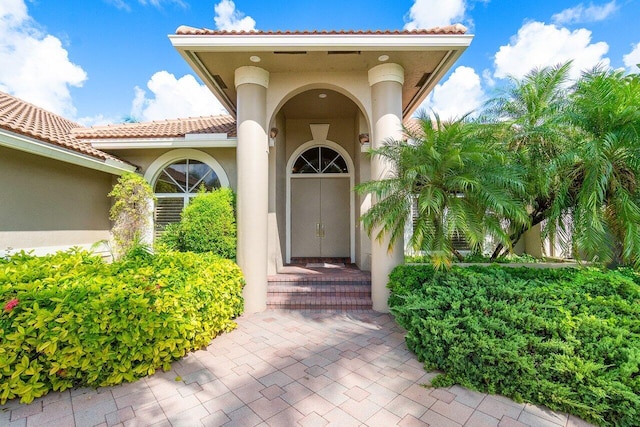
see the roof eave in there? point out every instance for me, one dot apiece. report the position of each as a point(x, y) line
point(188, 45)
point(315, 42)
point(188, 141)
point(33, 146)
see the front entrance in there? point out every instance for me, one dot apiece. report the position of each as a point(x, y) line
point(320, 203)
point(320, 217)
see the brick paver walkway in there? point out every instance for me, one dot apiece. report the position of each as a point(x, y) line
point(287, 368)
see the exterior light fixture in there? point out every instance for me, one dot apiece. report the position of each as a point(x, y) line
point(273, 132)
point(383, 58)
point(364, 142)
point(254, 58)
point(322, 95)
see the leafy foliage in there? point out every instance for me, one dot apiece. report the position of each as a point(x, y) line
point(130, 212)
point(460, 180)
point(478, 258)
point(528, 114)
point(77, 321)
point(600, 188)
point(207, 225)
point(568, 339)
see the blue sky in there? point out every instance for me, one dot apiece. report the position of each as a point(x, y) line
point(99, 61)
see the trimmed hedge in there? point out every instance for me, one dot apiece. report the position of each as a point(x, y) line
point(71, 320)
point(568, 339)
point(207, 224)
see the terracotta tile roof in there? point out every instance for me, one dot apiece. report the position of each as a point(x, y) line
point(161, 129)
point(449, 29)
point(26, 119)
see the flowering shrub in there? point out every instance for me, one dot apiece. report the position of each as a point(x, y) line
point(70, 319)
point(11, 304)
point(568, 339)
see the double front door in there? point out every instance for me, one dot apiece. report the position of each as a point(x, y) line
point(320, 217)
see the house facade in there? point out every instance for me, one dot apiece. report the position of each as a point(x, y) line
point(304, 107)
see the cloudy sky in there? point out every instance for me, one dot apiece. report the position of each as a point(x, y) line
point(101, 61)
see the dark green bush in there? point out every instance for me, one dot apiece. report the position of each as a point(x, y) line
point(568, 339)
point(207, 225)
point(70, 319)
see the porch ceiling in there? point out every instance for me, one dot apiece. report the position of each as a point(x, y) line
point(425, 55)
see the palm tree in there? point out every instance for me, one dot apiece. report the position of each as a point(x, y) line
point(528, 117)
point(460, 182)
point(601, 189)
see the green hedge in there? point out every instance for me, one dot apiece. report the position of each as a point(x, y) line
point(568, 339)
point(207, 224)
point(70, 319)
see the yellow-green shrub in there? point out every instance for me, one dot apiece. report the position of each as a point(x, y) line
point(70, 319)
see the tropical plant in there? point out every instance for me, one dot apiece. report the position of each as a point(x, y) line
point(600, 189)
point(528, 116)
point(130, 212)
point(460, 182)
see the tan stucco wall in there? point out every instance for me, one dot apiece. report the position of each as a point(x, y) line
point(144, 157)
point(284, 86)
point(48, 203)
point(341, 131)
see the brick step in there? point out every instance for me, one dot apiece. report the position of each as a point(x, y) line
point(305, 303)
point(319, 295)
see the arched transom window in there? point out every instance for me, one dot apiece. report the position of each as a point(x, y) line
point(176, 184)
point(319, 160)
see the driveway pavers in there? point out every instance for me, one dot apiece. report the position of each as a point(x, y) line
point(288, 368)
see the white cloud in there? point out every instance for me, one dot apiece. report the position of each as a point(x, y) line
point(539, 45)
point(460, 94)
point(158, 3)
point(632, 58)
point(435, 13)
point(581, 14)
point(98, 120)
point(35, 66)
point(124, 5)
point(228, 18)
point(174, 98)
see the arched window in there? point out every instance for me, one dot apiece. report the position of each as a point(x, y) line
point(320, 160)
point(176, 184)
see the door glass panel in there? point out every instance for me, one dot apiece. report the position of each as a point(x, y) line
point(320, 160)
point(308, 162)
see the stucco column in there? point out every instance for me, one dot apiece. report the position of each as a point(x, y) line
point(252, 157)
point(386, 82)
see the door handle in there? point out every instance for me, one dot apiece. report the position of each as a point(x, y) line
point(322, 230)
point(319, 229)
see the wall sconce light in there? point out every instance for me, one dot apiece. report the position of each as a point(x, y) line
point(272, 136)
point(364, 138)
